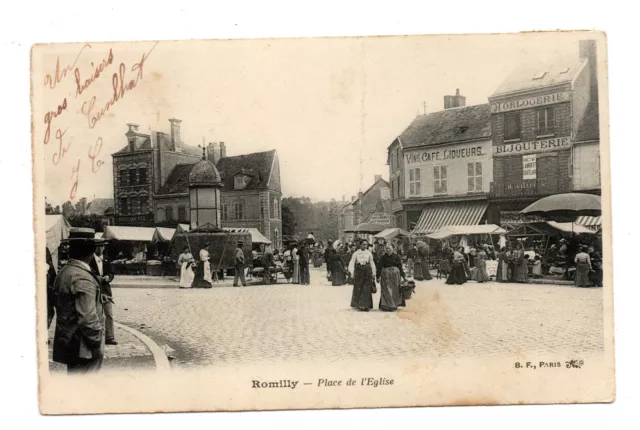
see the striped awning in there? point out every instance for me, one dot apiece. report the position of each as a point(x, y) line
point(589, 221)
point(434, 217)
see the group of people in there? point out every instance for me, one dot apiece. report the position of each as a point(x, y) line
point(80, 299)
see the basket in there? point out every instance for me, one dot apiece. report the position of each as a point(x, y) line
point(407, 289)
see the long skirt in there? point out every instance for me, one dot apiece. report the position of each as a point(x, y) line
point(202, 277)
point(424, 268)
point(582, 274)
point(596, 276)
point(317, 261)
point(390, 297)
point(186, 276)
point(338, 275)
point(480, 274)
point(417, 270)
point(362, 287)
point(502, 275)
point(458, 274)
point(295, 278)
point(520, 269)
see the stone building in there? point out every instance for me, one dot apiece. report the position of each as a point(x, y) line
point(545, 132)
point(373, 205)
point(440, 168)
point(153, 188)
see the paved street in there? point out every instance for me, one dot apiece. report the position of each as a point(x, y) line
point(295, 322)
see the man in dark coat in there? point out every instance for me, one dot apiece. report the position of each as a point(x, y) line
point(239, 265)
point(304, 264)
point(79, 337)
point(51, 279)
point(102, 268)
point(267, 264)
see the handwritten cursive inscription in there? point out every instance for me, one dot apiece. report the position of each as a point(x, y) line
point(60, 74)
point(75, 172)
point(94, 151)
point(62, 149)
point(50, 116)
point(82, 86)
point(120, 86)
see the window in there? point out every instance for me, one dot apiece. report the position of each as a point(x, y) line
point(169, 213)
point(512, 126)
point(414, 182)
point(225, 212)
point(133, 205)
point(238, 209)
point(275, 208)
point(393, 194)
point(142, 175)
point(546, 121)
point(124, 205)
point(399, 186)
point(182, 213)
point(124, 178)
point(398, 157)
point(144, 205)
point(440, 179)
point(240, 182)
point(132, 176)
point(474, 176)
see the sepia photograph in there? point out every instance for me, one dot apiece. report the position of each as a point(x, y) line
point(315, 223)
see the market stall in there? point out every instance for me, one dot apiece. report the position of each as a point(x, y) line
point(130, 249)
point(58, 229)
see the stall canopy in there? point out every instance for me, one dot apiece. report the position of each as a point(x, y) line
point(570, 227)
point(593, 222)
point(466, 230)
point(57, 230)
point(256, 236)
point(391, 233)
point(163, 234)
point(549, 228)
point(133, 234)
point(98, 235)
point(455, 214)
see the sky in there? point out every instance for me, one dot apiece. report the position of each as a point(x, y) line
point(329, 106)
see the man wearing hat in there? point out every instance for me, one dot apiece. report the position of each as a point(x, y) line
point(79, 337)
point(239, 265)
point(102, 268)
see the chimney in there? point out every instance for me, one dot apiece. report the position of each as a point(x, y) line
point(133, 128)
point(376, 178)
point(455, 101)
point(588, 52)
point(213, 152)
point(176, 142)
point(353, 198)
point(223, 150)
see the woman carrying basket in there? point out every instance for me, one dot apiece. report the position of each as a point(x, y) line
point(389, 273)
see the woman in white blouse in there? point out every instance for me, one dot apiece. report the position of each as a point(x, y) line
point(363, 269)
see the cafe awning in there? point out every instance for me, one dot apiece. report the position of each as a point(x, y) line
point(466, 230)
point(390, 233)
point(570, 227)
point(590, 221)
point(133, 234)
point(256, 236)
point(434, 217)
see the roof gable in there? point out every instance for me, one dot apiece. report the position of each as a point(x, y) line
point(178, 180)
point(529, 77)
point(257, 165)
point(589, 128)
point(448, 126)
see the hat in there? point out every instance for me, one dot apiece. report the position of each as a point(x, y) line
point(83, 234)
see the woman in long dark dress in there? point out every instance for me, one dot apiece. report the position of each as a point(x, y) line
point(423, 252)
point(480, 273)
point(363, 267)
point(502, 274)
point(458, 275)
point(338, 271)
point(583, 268)
point(520, 265)
point(596, 264)
point(389, 275)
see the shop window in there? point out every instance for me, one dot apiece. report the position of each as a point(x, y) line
point(124, 205)
point(239, 211)
point(414, 182)
point(512, 126)
point(546, 121)
point(225, 212)
point(169, 213)
point(474, 176)
point(440, 179)
point(182, 213)
point(142, 175)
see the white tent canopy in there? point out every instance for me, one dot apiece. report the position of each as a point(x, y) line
point(571, 227)
point(391, 233)
point(133, 234)
point(466, 230)
point(58, 229)
point(256, 236)
point(163, 234)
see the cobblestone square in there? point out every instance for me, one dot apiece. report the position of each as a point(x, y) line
point(297, 323)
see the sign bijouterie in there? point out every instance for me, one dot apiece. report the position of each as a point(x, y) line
point(519, 148)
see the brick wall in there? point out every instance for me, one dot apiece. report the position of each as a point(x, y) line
point(121, 166)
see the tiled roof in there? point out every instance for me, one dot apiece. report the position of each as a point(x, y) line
point(257, 165)
point(533, 76)
point(99, 206)
point(368, 191)
point(589, 128)
point(178, 180)
point(204, 172)
point(448, 126)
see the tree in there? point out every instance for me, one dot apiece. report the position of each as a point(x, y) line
point(68, 210)
point(50, 210)
point(288, 220)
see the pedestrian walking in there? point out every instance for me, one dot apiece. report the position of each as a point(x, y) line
point(239, 265)
point(102, 268)
point(79, 337)
point(327, 258)
point(267, 264)
point(295, 279)
point(338, 269)
point(389, 275)
point(363, 267)
point(203, 272)
point(583, 268)
point(520, 265)
point(480, 272)
point(411, 255)
point(185, 263)
point(458, 274)
point(304, 264)
point(502, 274)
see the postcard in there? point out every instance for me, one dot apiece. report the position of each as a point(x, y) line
point(316, 223)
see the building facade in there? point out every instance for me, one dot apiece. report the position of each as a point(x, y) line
point(372, 205)
point(151, 183)
point(535, 116)
point(441, 167)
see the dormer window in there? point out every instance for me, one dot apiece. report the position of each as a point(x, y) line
point(241, 181)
